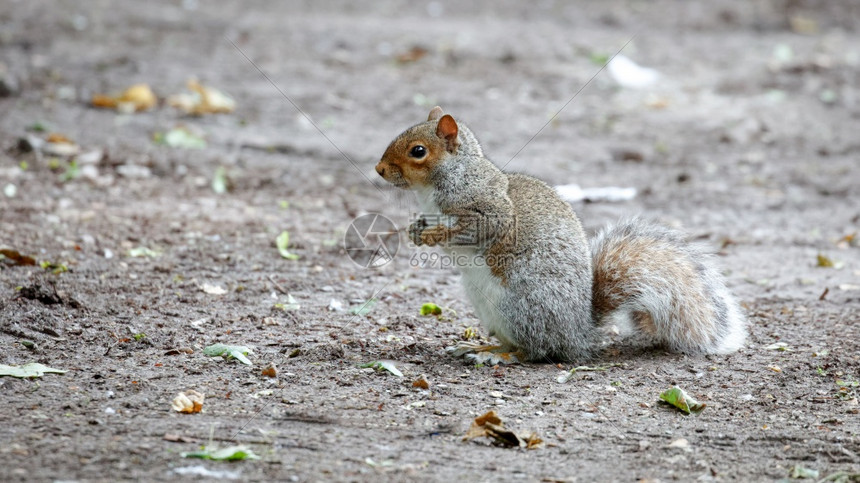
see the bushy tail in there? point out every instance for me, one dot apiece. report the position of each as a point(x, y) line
point(648, 279)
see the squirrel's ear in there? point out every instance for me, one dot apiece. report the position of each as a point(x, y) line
point(435, 113)
point(447, 130)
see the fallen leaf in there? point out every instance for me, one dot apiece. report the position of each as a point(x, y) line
point(383, 366)
point(827, 262)
point(138, 97)
point(431, 309)
point(230, 453)
point(412, 55)
point(565, 376)
point(363, 309)
point(237, 352)
point(57, 144)
point(774, 368)
point(15, 257)
point(58, 138)
point(270, 371)
point(178, 438)
point(213, 289)
point(282, 242)
point(778, 346)
point(292, 304)
point(142, 252)
point(33, 369)
point(680, 399)
point(798, 471)
point(180, 137)
point(220, 182)
point(421, 382)
point(189, 402)
point(491, 426)
point(201, 100)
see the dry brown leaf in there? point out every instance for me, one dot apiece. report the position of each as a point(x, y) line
point(138, 97)
point(412, 55)
point(16, 257)
point(202, 100)
point(270, 371)
point(189, 402)
point(491, 425)
point(421, 383)
point(58, 138)
point(178, 438)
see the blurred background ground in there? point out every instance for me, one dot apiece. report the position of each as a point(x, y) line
point(747, 139)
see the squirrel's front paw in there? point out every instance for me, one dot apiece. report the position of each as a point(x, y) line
point(433, 236)
point(415, 230)
point(492, 355)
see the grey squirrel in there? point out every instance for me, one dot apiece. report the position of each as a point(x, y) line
point(535, 282)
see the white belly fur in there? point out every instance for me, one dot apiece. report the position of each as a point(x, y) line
point(483, 289)
point(486, 293)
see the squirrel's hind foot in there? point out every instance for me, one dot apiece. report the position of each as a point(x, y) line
point(485, 354)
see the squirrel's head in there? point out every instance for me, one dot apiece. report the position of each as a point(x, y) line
point(411, 157)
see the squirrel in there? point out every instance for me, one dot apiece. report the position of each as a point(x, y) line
point(535, 282)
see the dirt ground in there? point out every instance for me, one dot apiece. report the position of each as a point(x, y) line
point(748, 141)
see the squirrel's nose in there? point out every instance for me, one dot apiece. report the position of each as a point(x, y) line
point(380, 169)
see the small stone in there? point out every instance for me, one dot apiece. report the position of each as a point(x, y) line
point(89, 157)
point(680, 443)
point(133, 171)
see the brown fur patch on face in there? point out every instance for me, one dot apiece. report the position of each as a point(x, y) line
point(398, 165)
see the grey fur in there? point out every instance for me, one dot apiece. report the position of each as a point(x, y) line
point(548, 297)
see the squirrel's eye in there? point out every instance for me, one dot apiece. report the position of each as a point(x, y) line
point(418, 151)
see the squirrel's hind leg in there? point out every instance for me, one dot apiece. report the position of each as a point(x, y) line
point(485, 354)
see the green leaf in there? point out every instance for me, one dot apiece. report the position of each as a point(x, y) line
point(282, 242)
point(680, 399)
point(72, 172)
point(363, 309)
point(56, 268)
point(431, 309)
point(230, 453)
point(599, 58)
point(237, 352)
point(384, 366)
point(33, 369)
point(38, 126)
